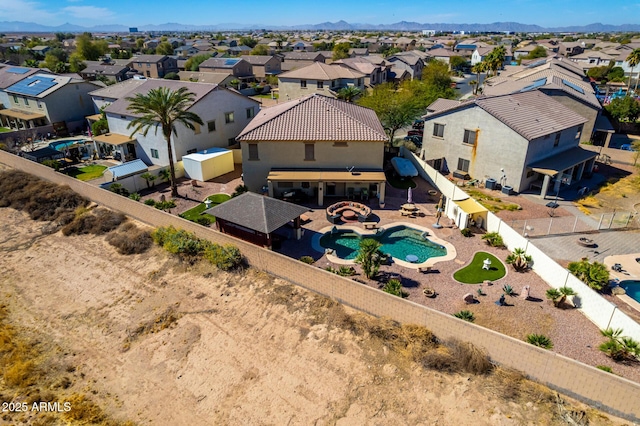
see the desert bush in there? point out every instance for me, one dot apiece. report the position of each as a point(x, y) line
point(493, 239)
point(605, 368)
point(165, 205)
point(227, 257)
point(469, 357)
point(594, 274)
point(508, 290)
point(307, 259)
point(466, 232)
point(394, 286)
point(97, 222)
point(465, 315)
point(440, 359)
point(83, 410)
point(54, 164)
point(346, 271)
point(240, 189)
point(150, 202)
point(619, 347)
point(540, 340)
point(119, 189)
point(129, 239)
point(134, 196)
point(203, 220)
point(519, 259)
point(559, 295)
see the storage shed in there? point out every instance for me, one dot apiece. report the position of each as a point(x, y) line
point(208, 164)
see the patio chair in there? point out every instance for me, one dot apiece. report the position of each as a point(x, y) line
point(351, 193)
point(364, 195)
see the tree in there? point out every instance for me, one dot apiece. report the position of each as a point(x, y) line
point(341, 51)
point(88, 49)
point(172, 76)
point(149, 178)
point(559, 295)
point(394, 287)
point(76, 63)
point(248, 41)
point(633, 59)
point(369, 257)
point(595, 275)
point(193, 63)
point(616, 74)
point(618, 347)
point(260, 49)
point(478, 69)
point(495, 58)
point(349, 93)
point(537, 52)
point(164, 48)
point(457, 62)
point(519, 259)
point(599, 73)
point(624, 109)
point(165, 108)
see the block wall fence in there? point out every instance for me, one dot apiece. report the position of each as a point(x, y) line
point(605, 391)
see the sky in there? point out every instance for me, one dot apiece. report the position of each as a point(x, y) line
point(546, 13)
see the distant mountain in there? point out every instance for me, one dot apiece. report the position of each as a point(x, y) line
point(16, 26)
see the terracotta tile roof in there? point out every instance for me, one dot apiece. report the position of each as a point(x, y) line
point(443, 104)
point(257, 59)
point(117, 91)
point(120, 106)
point(315, 118)
point(358, 64)
point(148, 58)
point(322, 71)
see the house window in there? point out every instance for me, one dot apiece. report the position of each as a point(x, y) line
point(253, 152)
point(463, 165)
point(154, 153)
point(320, 84)
point(148, 73)
point(26, 102)
point(309, 152)
point(15, 99)
point(579, 132)
point(196, 129)
point(341, 144)
point(231, 141)
point(303, 84)
point(360, 82)
point(211, 126)
point(228, 117)
point(557, 141)
point(148, 65)
point(469, 137)
point(251, 112)
point(438, 130)
point(39, 104)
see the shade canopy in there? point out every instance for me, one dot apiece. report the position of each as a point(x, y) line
point(470, 206)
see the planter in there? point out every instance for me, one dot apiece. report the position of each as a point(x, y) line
point(586, 242)
point(429, 292)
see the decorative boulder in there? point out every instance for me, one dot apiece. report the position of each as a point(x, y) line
point(617, 290)
point(525, 292)
point(469, 298)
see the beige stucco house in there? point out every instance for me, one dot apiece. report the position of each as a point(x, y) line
point(319, 145)
point(318, 78)
point(522, 140)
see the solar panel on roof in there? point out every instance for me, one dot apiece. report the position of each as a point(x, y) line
point(231, 61)
point(537, 83)
point(33, 85)
point(573, 86)
point(18, 70)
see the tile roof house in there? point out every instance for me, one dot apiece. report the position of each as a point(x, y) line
point(410, 62)
point(592, 58)
point(319, 145)
point(154, 66)
point(480, 53)
point(42, 98)
point(522, 140)
point(374, 74)
point(224, 113)
point(113, 73)
point(264, 65)
point(570, 48)
point(236, 67)
point(10, 75)
point(294, 60)
point(318, 78)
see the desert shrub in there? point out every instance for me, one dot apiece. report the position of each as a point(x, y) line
point(119, 189)
point(394, 286)
point(493, 239)
point(513, 207)
point(135, 196)
point(54, 164)
point(539, 340)
point(519, 259)
point(239, 190)
point(466, 232)
point(307, 259)
point(40, 199)
point(165, 205)
point(508, 290)
point(440, 359)
point(470, 358)
point(129, 239)
point(619, 347)
point(605, 368)
point(96, 222)
point(225, 257)
point(465, 315)
point(346, 271)
point(594, 274)
point(203, 220)
point(150, 202)
point(83, 410)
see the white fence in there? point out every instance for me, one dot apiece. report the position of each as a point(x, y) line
point(599, 310)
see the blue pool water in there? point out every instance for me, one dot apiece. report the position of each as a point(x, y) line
point(632, 288)
point(61, 145)
point(397, 242)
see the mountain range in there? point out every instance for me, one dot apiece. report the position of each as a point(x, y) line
point(17, 26)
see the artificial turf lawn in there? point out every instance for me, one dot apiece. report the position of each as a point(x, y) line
point(474, 274)
point(196, 212)
point(87, 172)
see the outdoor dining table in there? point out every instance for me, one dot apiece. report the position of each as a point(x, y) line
point(409, 207)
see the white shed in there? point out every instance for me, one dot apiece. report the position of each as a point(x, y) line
point(208, 164)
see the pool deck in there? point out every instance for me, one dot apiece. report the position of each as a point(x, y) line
point(451, 250)
point(630, 271)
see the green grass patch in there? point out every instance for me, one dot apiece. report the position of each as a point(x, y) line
point(87, 172)
point(196, 212)
point(493, 204)
point(400, 183)
point(266, 96)
point(4, 129)
point(474, 274)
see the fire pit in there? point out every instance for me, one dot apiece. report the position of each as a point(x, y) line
point(586, 242)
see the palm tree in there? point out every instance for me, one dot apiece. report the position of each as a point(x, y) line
point(595, 275)
point(633, 59)
point(349, 93)
point(369, 257)
point(495, 59)
point(166, 108)
point(519, 259)
point(478, 69)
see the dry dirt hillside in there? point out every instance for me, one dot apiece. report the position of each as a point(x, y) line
point(148, 339)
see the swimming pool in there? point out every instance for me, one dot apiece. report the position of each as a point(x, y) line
point(632, 288)
point(397, 242)
point(61, 145)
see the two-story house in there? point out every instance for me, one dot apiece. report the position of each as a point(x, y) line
point(318, 78)
point(236, 67)
point(154, 66)
point(374, 73)
point(224, 113)
point(293, 60)
point(316, 144)
point(264, 65)
point(522, 140)
point(411, 63)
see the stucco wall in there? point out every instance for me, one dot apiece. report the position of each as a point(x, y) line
point(292, 155)
point(585, 110)
point(602, 390)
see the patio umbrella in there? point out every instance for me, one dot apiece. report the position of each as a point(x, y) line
point(409, 196)
point(439, 207)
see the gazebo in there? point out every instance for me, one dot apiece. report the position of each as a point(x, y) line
point(255, 218)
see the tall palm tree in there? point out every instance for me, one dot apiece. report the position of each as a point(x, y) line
point(165, 108)
point(478, 69)
point(633, 59)
point(349, 93)
point(495, 59)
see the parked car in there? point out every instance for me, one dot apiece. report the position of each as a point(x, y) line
point(415, 133)
point(627, 147)
point(417, 140)
point(418, 124)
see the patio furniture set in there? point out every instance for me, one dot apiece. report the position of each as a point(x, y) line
point(348, 211)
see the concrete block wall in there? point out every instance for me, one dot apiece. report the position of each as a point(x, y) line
point(602, 390)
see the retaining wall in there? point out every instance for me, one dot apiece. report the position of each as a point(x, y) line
point(602, 390)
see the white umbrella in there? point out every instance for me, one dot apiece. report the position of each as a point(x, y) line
point(410, 196)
